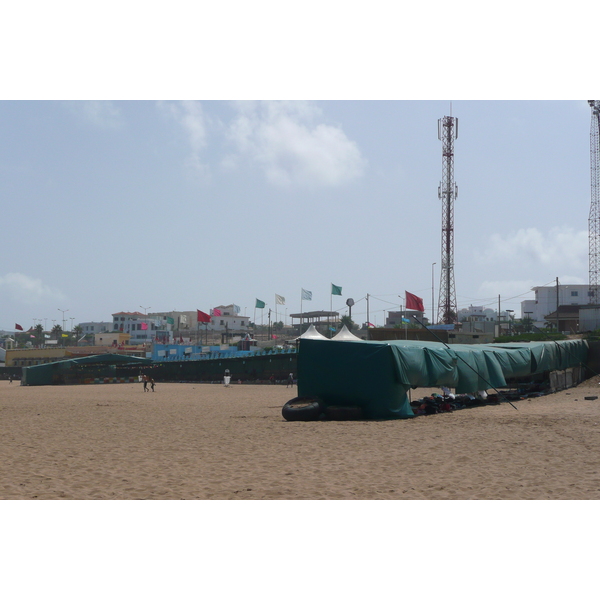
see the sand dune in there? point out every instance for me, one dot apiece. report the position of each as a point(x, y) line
point(202, 441)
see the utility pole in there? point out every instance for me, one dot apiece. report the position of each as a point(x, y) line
point(432, 296)
point(499, 321)
point(557, 305)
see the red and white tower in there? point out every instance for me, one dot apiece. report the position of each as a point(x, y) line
point(447, 192)
point(594, 220)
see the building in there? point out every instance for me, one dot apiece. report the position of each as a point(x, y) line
point(141, 328)
point(479, 320)
point(91, 328)
point(547, 298)
point(568, 319)
point(175, 325)
point(228, 318)
point(112, 338)
point(399, 318)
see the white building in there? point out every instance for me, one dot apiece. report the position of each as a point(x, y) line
point(93, 328)
point(479, 319)
point(477, 313)
point(139, 326)
point(547, 298)
point(227, 318)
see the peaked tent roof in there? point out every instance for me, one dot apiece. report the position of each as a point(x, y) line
point(345, 335)
point(312, 334)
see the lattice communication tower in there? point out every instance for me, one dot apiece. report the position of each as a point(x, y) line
point(447, 193)
point(594, 220)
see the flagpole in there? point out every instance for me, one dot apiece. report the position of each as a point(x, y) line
point(330, 310)
point(301, 319)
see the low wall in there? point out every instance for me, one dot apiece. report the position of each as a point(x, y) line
point(246, 369)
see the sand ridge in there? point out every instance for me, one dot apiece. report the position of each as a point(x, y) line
point(203, 441)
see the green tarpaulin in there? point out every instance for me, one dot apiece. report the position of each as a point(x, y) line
point(377, 375)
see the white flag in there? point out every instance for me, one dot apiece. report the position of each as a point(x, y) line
point(183, 318)
point(306, 295)
point(279, 299)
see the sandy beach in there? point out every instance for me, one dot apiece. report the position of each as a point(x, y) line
point(202, 441)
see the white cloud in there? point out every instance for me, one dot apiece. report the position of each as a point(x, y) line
point(284, 139)
point(27, 289)
point(191, 118)
point(562, 247)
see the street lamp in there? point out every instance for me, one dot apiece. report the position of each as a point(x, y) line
point(432, 297)
point(510, 320)
point(63, 319)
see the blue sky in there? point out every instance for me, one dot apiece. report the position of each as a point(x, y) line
point(113, 205)
point(116, 194)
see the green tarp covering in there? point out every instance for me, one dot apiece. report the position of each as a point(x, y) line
point(377, 375)
point(99, 365)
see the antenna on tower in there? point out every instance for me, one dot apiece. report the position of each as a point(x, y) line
point(447, 193)
point(594, 219)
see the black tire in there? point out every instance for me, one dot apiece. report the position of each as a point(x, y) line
point(344, 413)
point(303, 408)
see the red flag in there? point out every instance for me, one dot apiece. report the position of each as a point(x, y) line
point(17, 326)
point(414, 302)
point(216, 312)
point(203, 317)
point(144, 326)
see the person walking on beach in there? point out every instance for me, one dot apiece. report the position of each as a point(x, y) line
point(152, 383)
point(10, 379)
point(145, 380)
point(227, 377)
point(290, 380)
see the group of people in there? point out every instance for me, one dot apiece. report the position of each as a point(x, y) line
point(148, 380)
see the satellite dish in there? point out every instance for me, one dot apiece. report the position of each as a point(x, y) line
point(349, 302)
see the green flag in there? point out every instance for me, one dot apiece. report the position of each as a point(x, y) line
point(259, 303)
point(336, 290)
point(170, 321)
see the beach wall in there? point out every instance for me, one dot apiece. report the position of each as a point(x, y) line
point(246, 369)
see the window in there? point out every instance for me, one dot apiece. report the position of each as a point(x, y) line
point(574, 293)
point(221, 322)
point(591, 293)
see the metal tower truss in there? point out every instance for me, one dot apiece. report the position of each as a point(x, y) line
point(447, 193)
point(594, 220)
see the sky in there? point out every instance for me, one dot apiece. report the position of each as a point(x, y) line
point(180, 205)
point(242, 152)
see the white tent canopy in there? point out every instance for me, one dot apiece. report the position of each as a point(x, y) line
point(311, 334)
point(345, 335)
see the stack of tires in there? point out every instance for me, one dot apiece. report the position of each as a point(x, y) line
point(308, 408)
